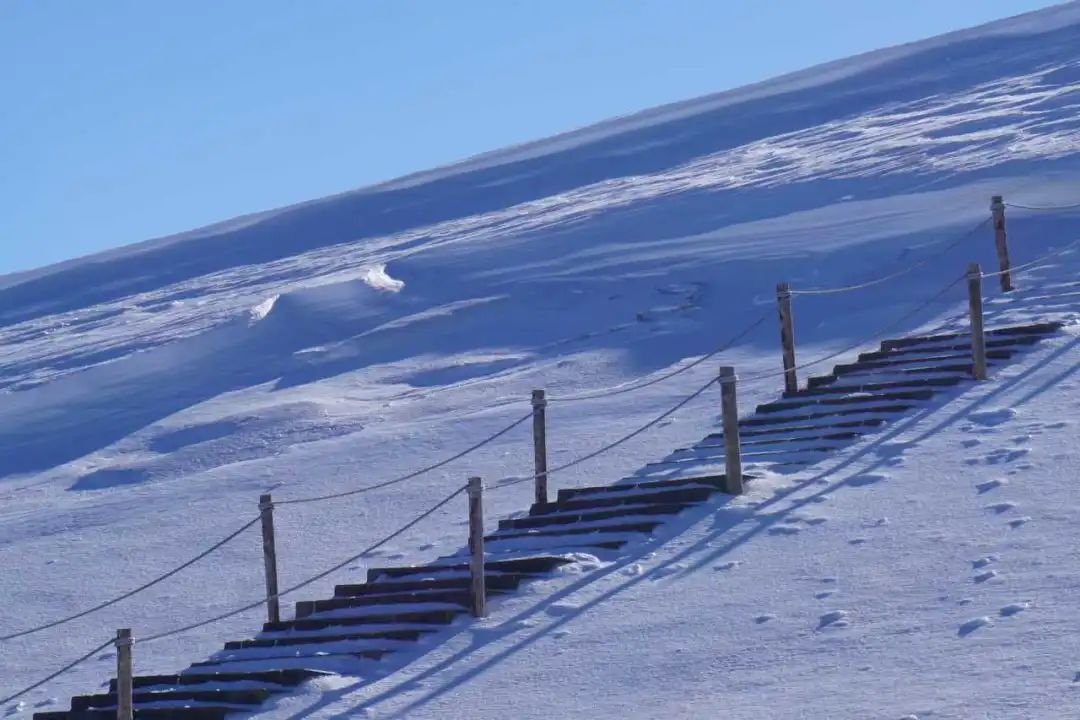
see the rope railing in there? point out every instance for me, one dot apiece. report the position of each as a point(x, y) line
point(899, 273)
point(70, 666)
point(145, 586)
point(877, 334)
point(314, 578)
point(1043, 208)
point(1034, 264)
point(620, 390)
point(514, 480)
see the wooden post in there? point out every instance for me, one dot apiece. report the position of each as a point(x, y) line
point(978, 338)
point(476, 548)
point(997, 210)
point(266, 510)
point(733, 483)
point(124, 708)
point(787, 336)
point(539, 405)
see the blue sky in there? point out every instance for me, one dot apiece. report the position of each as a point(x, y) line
point(124, 120)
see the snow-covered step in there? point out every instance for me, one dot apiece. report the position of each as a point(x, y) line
point(1038, 330)
point(371, 649)
point(304, 608)
point(141, 698)
point(329, 635)
point(811, 439)
point(441, 616)
point(843, 401)
point(692, 494)
point(531, 565)
point(625, 489)
point(269, 679)
point(496, 582)
point(563, 531)
point(873, 382)
point(611, 514)
point(562, 543)
point(874, 410)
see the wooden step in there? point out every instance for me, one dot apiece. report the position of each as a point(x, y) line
point(826, 384)
point(637, 487)
point(754, 421)
point(564, 531)
point(676, 495)
point(428, 617)
point(570, 518)
point(943, 358)
point(202, 712)
point(305, 608)
point(495, 583)
point(536, 565)
point(289, 641)
point(285, 678)
point(1037, 329)
point(218, 697)
point(297, 656)
point(827, 426)
point(826, 401)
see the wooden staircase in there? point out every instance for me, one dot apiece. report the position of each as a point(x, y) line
point(399, 607)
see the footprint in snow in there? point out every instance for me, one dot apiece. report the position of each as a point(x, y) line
point(991, 418)
point(984, 576)
point(560, 634)
point(561, 609)
point(762, 619)
point(972, 625)
point(857, 541)
point(1005, 455)
point(1001, 507)
point(822, 595)
point(836, 618)
point(984, 561)
point(635, 569)
point(867, 479)
point(1014, 609)
point(729, 565)
point(664, 572)
point(985, 487)
point(1018, 522)
point(971, 442)
point(784, 530)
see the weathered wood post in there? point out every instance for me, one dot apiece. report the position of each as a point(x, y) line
point(266, 510)
point(997, 210)
point(733, 483)
point(539, 406)
point(787, 336)
point(978, 337)
point(124, 706)
point(478, 588)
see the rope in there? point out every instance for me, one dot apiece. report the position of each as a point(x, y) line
point(410, 476)
point(1047, 208)
point(146, 586)
point(514, 480)
point(58, 673)
point(887, 328)
point(898, 273)
point(314, 578)
point(619, 390)
point(1031, 264)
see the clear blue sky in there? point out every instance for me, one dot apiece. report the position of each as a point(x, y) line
point(122, 120)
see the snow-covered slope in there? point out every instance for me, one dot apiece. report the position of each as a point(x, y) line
point(149, 394)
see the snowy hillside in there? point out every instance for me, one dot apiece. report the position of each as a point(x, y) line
point(148, 395)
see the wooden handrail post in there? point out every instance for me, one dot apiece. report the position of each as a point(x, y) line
point(733, 481)
point(539, 406)
point(978, 336)
point(266, 511)
point(478, 586)
point(124, 675)
point(997, 210)
point(787, 336)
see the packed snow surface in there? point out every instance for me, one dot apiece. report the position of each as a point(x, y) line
point(148, 395)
